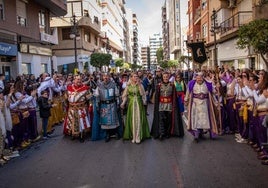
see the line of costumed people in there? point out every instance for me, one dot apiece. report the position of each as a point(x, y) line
point(109, 108)
point(230, 102)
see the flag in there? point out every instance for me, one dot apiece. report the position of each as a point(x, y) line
point(198, 52)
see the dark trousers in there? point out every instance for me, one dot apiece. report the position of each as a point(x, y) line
point(44, 126)
point(165, 122)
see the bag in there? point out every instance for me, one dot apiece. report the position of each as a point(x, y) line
point(25, 114)
point(15, 118)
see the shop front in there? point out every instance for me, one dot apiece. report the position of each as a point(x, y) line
point(8, 53)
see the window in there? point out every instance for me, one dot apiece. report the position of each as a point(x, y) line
point(86, 14)
point(1, 10)
point(42, 20)
point(87, 36)
point(204, 4)
point(26, 68)
point(96, 40)
point(66, 33)
point(44, 67)
point(204, 30)
point(21, 13)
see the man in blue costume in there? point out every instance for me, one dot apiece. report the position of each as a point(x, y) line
point(108, 97)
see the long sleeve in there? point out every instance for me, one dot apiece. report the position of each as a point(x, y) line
point(124, 96)
point(259, 98)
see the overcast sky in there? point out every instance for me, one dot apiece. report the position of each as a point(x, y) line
point(149, 16)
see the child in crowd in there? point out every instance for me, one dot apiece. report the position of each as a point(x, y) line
point(44, 109)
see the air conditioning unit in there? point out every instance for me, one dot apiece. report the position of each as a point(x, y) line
point(232, 4)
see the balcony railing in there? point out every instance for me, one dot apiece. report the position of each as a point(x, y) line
point(234, 22)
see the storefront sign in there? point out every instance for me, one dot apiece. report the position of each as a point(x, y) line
point(8, 49)
point(40, 50)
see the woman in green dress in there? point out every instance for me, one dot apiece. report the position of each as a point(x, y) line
point(136, 124)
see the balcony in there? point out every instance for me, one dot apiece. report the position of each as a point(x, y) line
point(52, 39)
point(56, 7)
point(232, 24)
point(87, 22)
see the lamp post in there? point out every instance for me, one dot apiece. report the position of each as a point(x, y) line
point(75, 36)
point(213, 29)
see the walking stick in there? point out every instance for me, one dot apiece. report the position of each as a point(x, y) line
point(219, 106)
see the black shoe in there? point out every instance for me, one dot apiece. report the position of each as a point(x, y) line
point(107, 138)
point(117, 136)
point(161, 137)
point(81, 140)
point(196, 140)
point(51, 132)
point(167, 136)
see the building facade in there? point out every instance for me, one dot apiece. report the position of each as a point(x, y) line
point(99, 26)
point(217, 23)
point(26, 37)
point(145, 57)
point(165, 32)
point(155, 42)
point(174, 28)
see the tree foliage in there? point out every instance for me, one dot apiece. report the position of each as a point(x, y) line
point(254, 34)
point(163, 64)
point(119, 62)
point(159, 54)
point(185, 59)
point(173, 63)
point(100, 59)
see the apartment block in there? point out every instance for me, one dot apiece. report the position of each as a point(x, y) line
point(155, 42)
point(26, 37)
point(217, 24)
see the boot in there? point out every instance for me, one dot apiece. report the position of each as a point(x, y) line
point(117, 135)
point(81, 138)
point(107, 138)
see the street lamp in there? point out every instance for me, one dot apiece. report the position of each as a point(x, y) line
point(74, 34)
point(214, 29)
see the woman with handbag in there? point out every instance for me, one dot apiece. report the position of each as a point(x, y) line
point(23, 111)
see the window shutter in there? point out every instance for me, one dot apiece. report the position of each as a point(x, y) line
point(21, 8)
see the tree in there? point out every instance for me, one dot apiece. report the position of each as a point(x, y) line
point(119, 62)
point(186, 60)
point(163, 64)
point(254, 34)
point(173, 63)
point(100, 59)
point(159, 54)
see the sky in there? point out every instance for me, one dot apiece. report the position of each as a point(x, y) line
point(149, 16)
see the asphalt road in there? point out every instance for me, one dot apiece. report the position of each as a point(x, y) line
point(175, 162)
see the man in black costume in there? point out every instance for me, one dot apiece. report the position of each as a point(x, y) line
point(167, 119)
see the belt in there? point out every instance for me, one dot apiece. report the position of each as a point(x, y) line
point(108, 101)
point(165, 99)
point(23, 110)
point(262, 112)
point(77, 105)
point(240, 101)
point(200, 96)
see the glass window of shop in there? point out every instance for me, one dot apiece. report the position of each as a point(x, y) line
point(44, 67)
point(241, 64)
point(26, 68)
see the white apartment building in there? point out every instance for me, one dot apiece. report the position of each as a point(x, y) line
point(174, 23)
point(99, 28)
point(155, 42)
